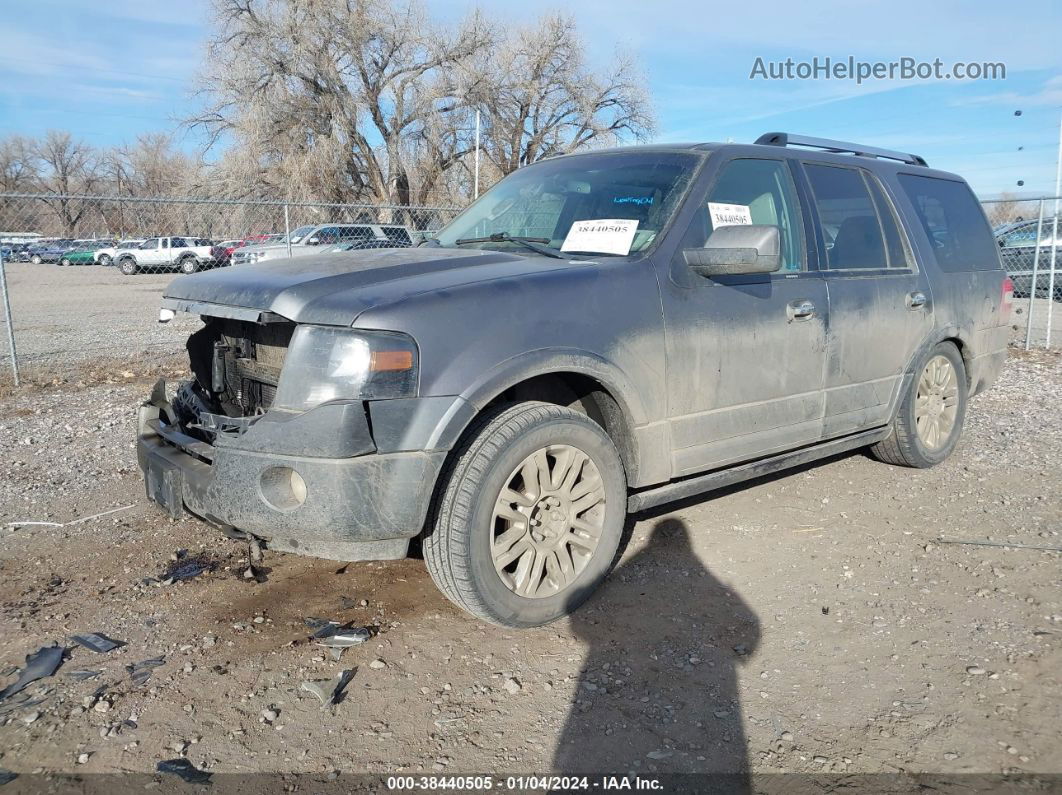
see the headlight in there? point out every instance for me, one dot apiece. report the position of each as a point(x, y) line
point(325, 364)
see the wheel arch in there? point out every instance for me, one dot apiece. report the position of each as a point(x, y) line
point(584, 382)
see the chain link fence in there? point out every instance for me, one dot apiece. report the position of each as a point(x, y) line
point(1029, 233)
point(82, 275)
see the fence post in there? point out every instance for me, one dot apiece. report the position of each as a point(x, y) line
point(1032, 289)
point(1051, 278)
point(287, 229)
point(7, 319)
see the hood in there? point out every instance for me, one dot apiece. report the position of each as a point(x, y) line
point(333, 289)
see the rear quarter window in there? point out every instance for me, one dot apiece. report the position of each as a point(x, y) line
point(959, 236)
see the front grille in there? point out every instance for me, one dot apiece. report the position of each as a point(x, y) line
point(249, 359)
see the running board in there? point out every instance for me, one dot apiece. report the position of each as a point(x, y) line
point(722, 478)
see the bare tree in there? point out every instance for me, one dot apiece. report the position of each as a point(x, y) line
point(17, 164)
point(65, 167)
point(544, 99)
point(344, 100)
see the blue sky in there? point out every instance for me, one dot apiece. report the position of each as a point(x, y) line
point(110, 70)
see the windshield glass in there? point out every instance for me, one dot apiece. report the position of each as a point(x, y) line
point(296, 236)
point(545, 201)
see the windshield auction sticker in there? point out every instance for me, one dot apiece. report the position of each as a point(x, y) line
point(729, 214)
point(603, 236)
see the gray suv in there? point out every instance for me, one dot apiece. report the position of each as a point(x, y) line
point(597, 334)
point(322, 237)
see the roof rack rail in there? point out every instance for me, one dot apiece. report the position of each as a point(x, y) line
point(844, 147)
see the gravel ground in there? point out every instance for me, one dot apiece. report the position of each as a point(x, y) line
point(810, 622)
point(86, 319)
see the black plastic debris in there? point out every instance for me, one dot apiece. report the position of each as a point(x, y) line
point(186, 569)
point(83, 675)
point(184, 770)
point(140, 672)
point(6, 776)
point(342, 680)
point(40, 665)
point(97, 642)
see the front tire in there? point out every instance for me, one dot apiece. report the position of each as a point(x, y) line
point(36, 259)
point(929, 421)
point(529, 516)
point(64, 261)
point(128, 267)
point(105, 260)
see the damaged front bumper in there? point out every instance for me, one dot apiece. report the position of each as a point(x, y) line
point(312, 483)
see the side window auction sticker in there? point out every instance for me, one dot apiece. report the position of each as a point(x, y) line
point(602, 236)
point(729, 214)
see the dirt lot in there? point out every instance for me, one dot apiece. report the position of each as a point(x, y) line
point(809, 622)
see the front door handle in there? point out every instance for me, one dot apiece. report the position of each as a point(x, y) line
point(802, 309)
point(916, 300)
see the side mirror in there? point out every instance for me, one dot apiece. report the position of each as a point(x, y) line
point(734, 250)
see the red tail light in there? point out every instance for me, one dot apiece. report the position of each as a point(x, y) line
point(1007, 299)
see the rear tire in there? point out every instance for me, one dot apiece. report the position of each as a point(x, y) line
point(128, 267)
point(188, 265)
point(929, 421)
point(64, 261)
point(105, 260)
point(36, 259)
point(566, 536)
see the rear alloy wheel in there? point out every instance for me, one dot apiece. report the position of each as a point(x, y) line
point(929, 421)
point(189, 265)
point(128, 267)
point(529, 516)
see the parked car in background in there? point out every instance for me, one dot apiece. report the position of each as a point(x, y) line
point(600, 333)
point(186, 254)
point(83, 252)
point(1017, 250)
point(309, 239)
point(362, 245)
point(50, 252)
point(19, 252)
point(105, 255)
point(222, 252)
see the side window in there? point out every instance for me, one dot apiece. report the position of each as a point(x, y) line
point(327, 236)
point(396, 234)
point(763, 193)
point(954, 223)
point(150, 243)
point(896, 245)
point(355, 233)
point(177, 242)
point(1026, 236)
point(849, 220)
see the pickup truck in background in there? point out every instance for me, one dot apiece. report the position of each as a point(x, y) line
point(186, 254)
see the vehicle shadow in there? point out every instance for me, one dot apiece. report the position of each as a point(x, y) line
point(658, 691)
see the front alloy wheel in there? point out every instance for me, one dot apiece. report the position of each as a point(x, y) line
point(529, 515)
point(547, 521)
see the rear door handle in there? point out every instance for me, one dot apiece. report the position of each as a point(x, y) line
point(801, 309)
point(916, 300)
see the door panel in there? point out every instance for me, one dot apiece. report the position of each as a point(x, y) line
point(880, 304)
point(745, 354)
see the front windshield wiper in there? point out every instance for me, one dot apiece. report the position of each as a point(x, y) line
point(533, 243)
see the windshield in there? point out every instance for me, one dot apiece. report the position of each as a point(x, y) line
point(296, 236)
point(624, 201)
